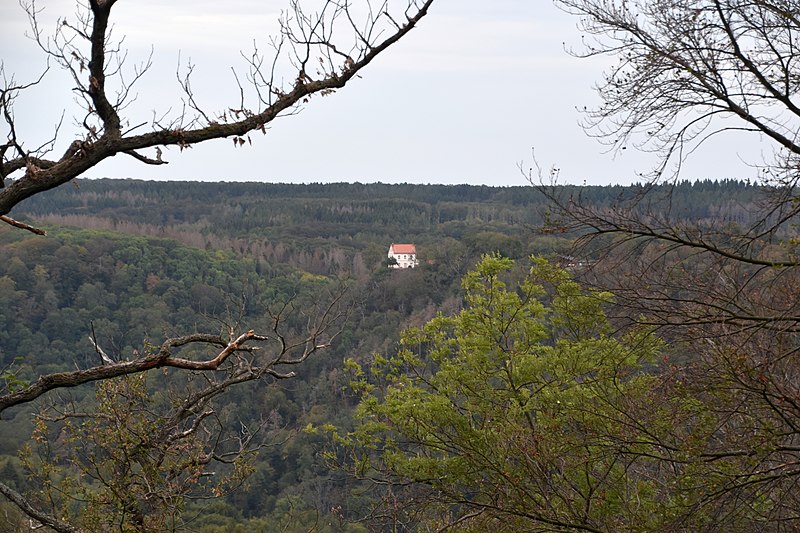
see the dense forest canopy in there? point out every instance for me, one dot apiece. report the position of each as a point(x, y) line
point(128, 262)
point(260, 205)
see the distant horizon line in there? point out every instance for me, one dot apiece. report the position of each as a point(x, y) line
point(745, 181)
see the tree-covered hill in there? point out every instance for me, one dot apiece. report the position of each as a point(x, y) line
point(128, 263)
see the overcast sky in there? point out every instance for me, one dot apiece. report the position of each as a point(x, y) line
point(463, 99)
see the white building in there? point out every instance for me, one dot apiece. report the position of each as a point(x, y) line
point(405, 255)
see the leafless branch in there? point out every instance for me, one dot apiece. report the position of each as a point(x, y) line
point(17, 224)
point(306, 39)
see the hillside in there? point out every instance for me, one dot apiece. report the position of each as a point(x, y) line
point(131, 262)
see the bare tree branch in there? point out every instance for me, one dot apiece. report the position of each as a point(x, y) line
point(17, 224)
point(305, 37)
point(48, 520)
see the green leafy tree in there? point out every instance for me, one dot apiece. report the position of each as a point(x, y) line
point(510, 415)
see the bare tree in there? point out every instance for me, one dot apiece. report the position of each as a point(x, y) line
point(687, 70)
point(690, 69)
point(724, 290)
point(323, 49)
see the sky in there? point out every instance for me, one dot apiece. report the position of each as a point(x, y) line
point(466, 97)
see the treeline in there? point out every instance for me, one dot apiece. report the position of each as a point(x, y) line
point(332, 229)
point(342, 209)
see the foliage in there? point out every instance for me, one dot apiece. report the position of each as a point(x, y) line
point(122, 466)
point(56, 316)
point(509, 413)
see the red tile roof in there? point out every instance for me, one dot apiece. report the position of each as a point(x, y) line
point(403, 248)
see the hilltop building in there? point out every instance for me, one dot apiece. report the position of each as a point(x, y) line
point(405, 255)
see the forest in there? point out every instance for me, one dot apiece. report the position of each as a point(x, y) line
point(128, 263)
point(209, 357)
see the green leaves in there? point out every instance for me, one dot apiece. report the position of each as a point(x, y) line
point(511, 408)
point(125, 466)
